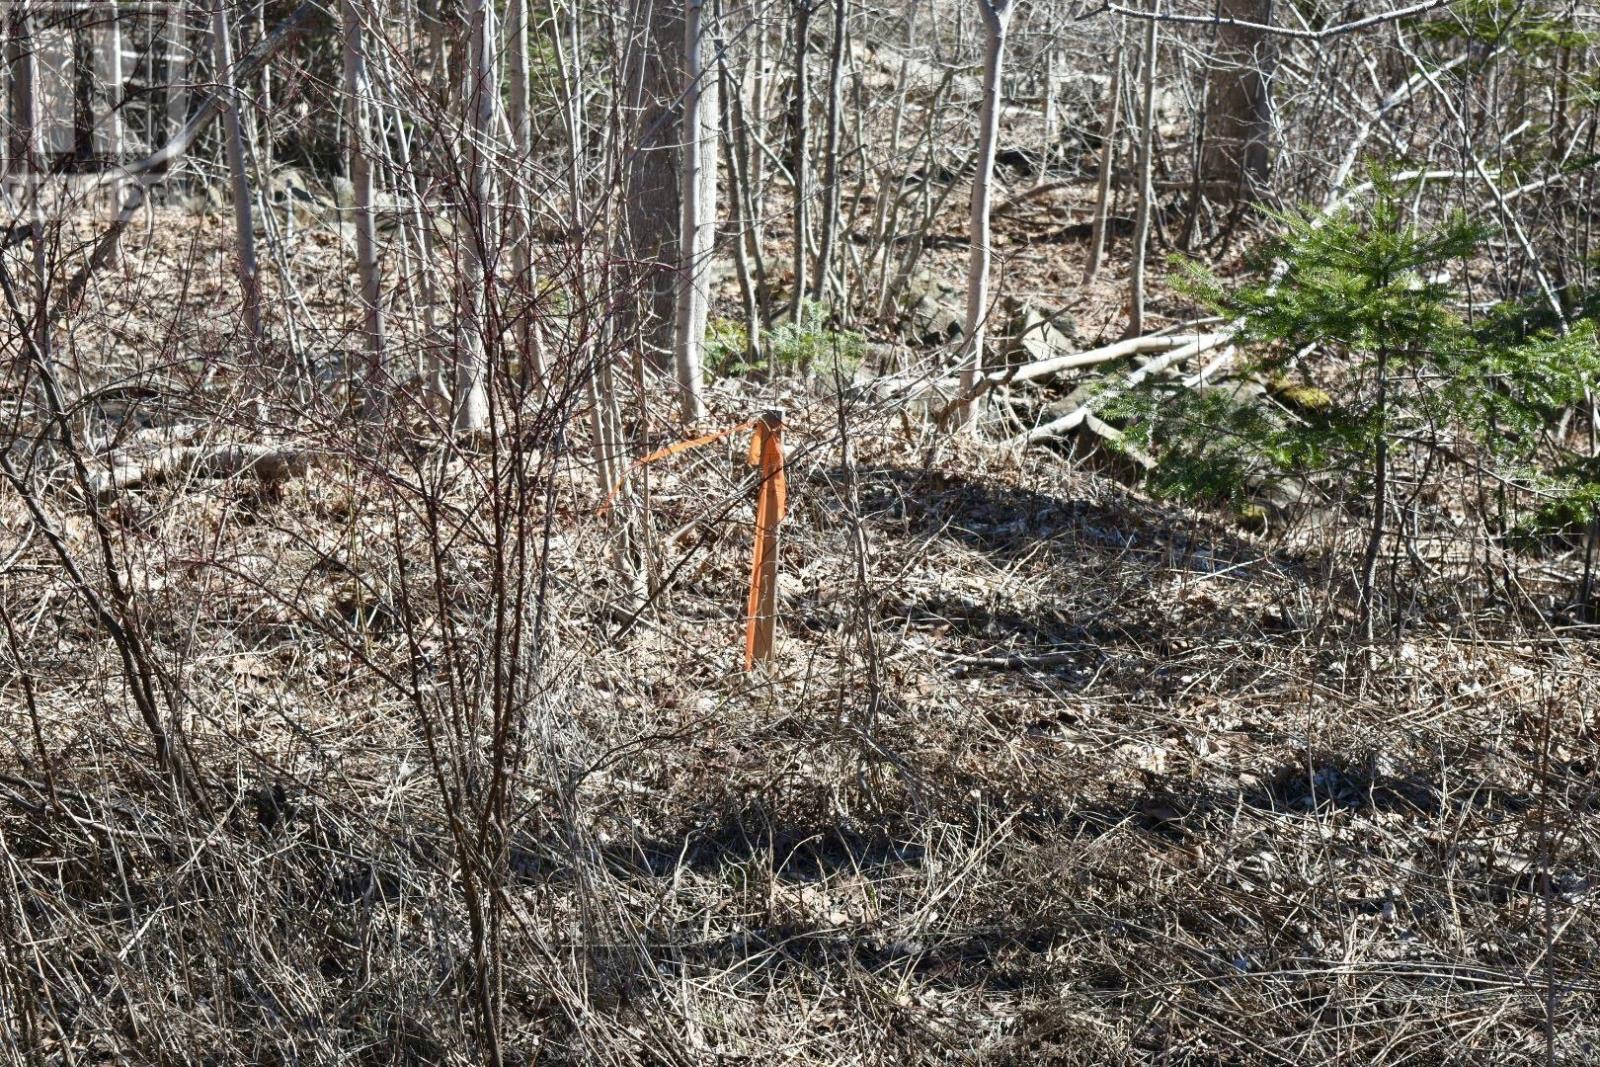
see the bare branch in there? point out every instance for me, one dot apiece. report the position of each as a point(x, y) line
point(1284, 31)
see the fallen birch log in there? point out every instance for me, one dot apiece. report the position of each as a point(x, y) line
point(1134, 346)
point(1044, 368)
point(1074, 418)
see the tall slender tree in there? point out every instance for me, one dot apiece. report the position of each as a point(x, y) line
point(28, 158)
point(482, 97)
point(799, 165)
point(530, 345)
point(830, 152)
point(1147, 192)
point(358, 123)
point(996, 21)
point(239, 176)
point(697, 231)
point(1108, 159)
point(116, 132)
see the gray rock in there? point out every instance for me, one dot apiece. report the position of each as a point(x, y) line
point(933, 322)
point(344, 192)
point(293, 191)
point(1033, 335)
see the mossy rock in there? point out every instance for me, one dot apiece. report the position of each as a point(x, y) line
point(1298, 396)
point(1252, 515)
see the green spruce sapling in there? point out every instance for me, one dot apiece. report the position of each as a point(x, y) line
point(1369, 288)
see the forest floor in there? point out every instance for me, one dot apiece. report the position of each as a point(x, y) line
point(1045, 771)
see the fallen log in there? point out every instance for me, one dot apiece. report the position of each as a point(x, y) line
point(1074, 418)
point(1044, 368)
point(270, 464)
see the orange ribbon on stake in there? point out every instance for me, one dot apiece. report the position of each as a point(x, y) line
point(670, 450)
point(761, 612)
point(772, 500)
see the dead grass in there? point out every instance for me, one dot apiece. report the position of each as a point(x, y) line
point(1070, 776)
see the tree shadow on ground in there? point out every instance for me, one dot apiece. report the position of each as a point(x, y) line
point(1013, 941)
point(1092, 561)
point(1014, 523)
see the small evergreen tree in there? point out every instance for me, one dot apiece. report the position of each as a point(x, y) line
point(1369, 289)
point(1366, 287)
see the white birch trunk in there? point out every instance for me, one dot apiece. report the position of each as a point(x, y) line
point(699, 213)
point(1108, 159)
point(1147, 134)
point(996, 19)
point(177, 48)
point(115, 132)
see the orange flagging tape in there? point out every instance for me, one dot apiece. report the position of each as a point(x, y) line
point(772, 501)
point(766, 451)
point(671, 450)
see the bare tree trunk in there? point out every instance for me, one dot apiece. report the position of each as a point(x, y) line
point(471, 395)
point(9, 57)
point(263, 108)
point(83, 87)
point(887, 212)
point(176, 40)
point(530, 346)
point(1108, 158)
point(798, 163)
point(22, 75)
point(1048, 154)
point(750, 117)
point(1238, 112)
point(28, 161)
point(830, 152)
point(116, 137)
point(244, 225)
point(697, 231)
point(1147, 136)
point(653, 211)
point(359, 120)
point(996, 19)
point(746, 251)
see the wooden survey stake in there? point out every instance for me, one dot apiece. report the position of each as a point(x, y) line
point(761, 612)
